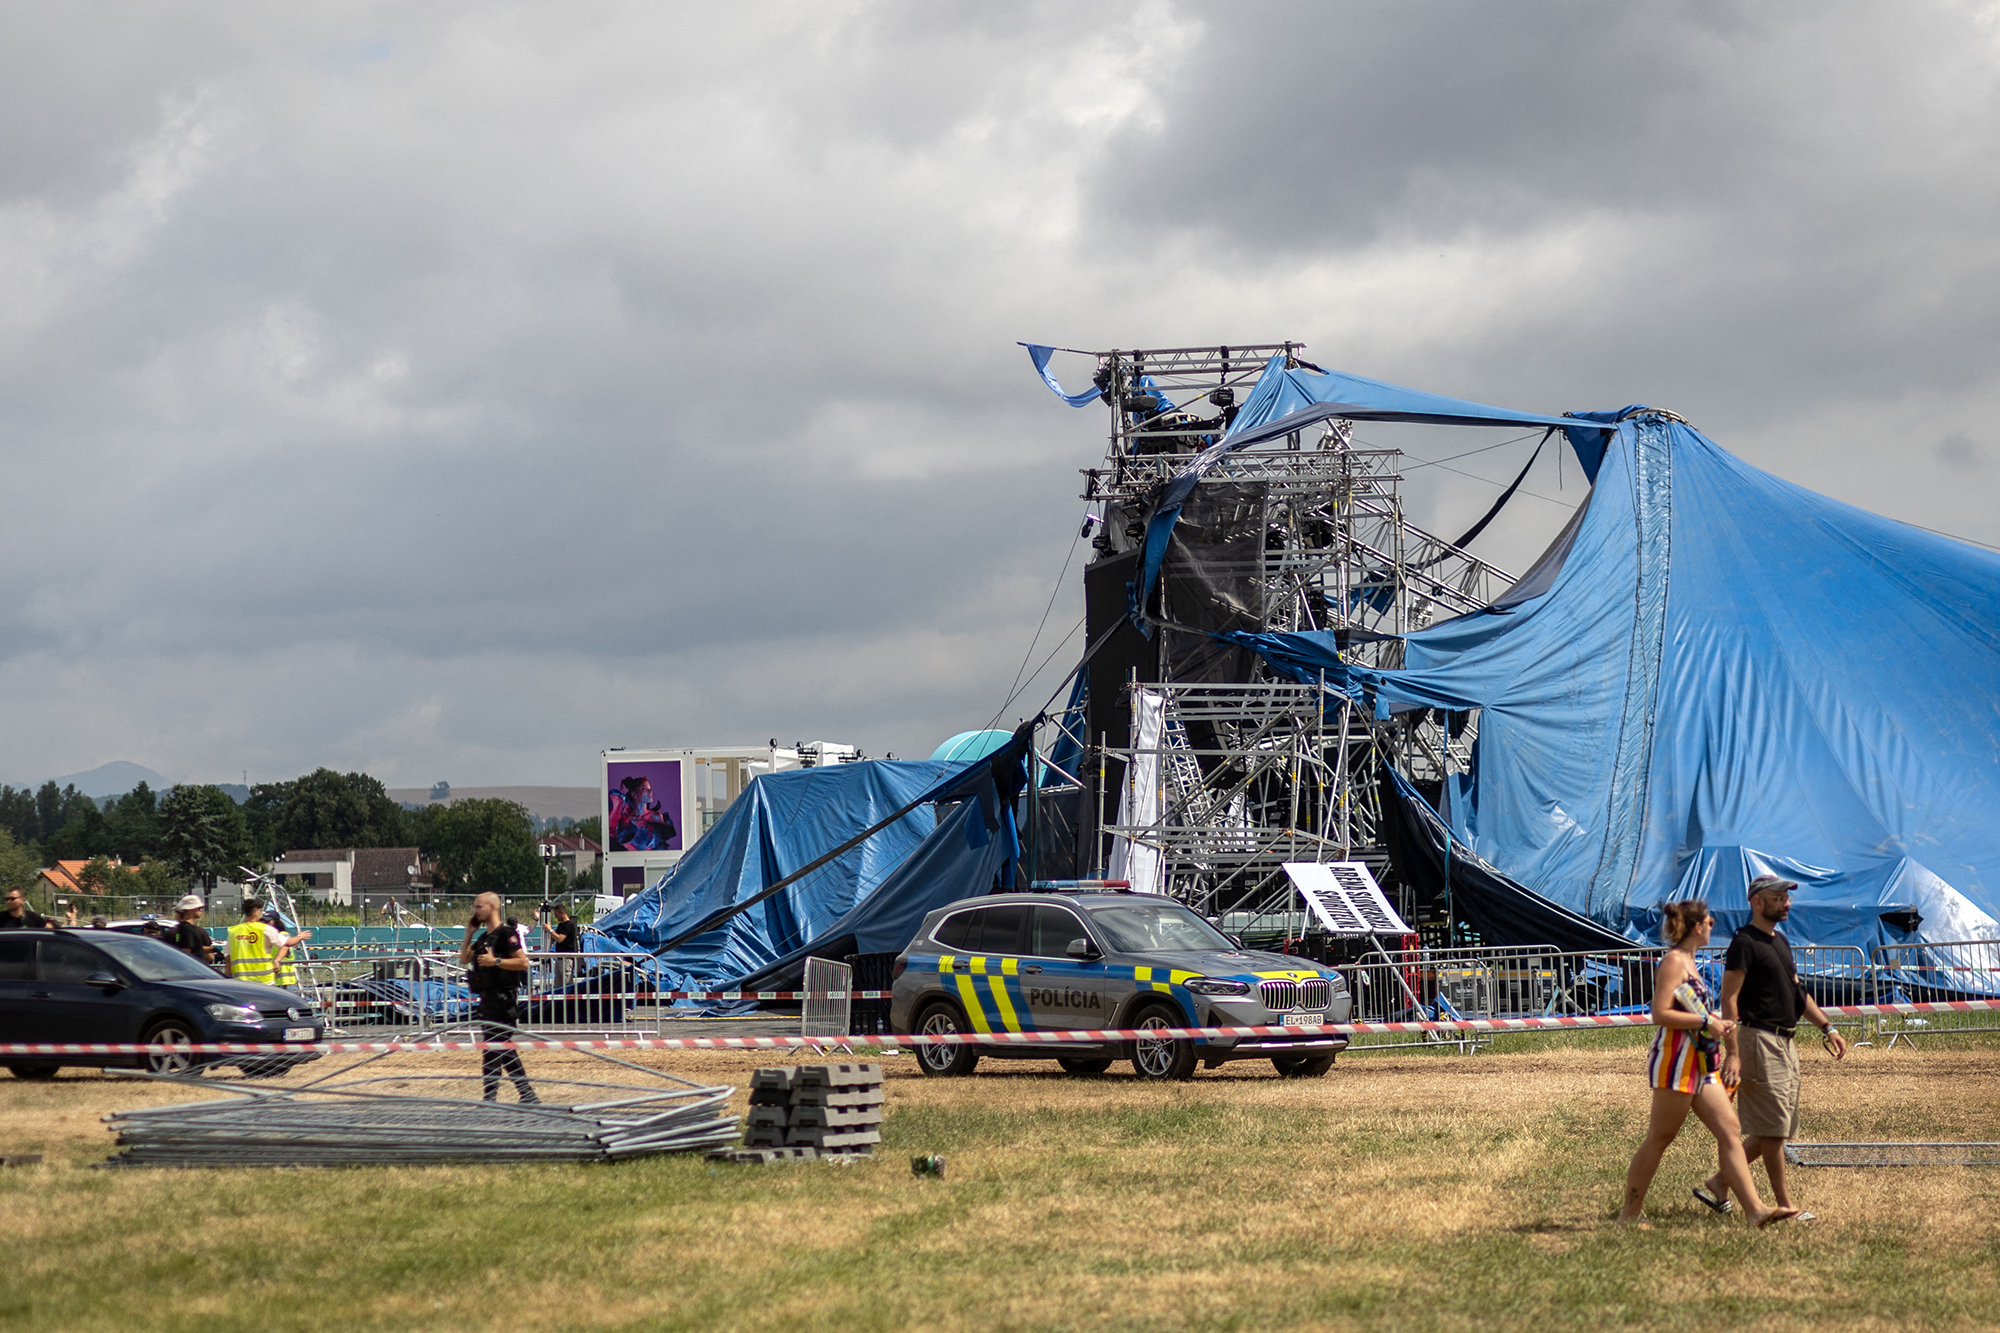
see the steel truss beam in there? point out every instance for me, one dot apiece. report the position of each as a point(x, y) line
point(1290, 772)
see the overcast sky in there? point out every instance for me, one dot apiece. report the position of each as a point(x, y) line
point(451, 391)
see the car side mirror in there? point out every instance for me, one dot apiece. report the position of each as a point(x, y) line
point(1081, 948)
point(1236, 940)
point(103, 979)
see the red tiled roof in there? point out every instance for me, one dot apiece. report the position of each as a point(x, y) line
point(62, 875)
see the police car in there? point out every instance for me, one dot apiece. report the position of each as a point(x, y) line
point(1033, 962)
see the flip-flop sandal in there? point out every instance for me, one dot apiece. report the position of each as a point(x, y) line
point(1806, 1217)
point(1721, 1206)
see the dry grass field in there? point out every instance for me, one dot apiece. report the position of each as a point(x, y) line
point(1400, 1192)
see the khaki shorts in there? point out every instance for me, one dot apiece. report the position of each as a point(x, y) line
point(1767, 1100)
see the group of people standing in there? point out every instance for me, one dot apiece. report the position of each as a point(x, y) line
point(1729, 1059)
point(257, 949)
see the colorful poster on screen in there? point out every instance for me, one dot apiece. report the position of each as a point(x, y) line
point(642, 806)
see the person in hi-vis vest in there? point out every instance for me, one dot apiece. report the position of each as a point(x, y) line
point(256, 947)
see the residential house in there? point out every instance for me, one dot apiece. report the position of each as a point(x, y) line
point(352, 876)
point(574, 852)
point(59, 880)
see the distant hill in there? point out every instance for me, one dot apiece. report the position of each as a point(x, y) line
point(114, 779)
point(542, 802)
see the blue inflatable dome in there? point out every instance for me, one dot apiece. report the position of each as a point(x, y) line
point(971, 745)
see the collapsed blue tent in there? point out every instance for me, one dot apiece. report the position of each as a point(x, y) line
point(780, 823)
point(1289, 398)
point(962, 858)
point(1714, 674)
point(747, 904)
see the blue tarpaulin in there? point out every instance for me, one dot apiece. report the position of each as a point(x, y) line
point(1288, 398)
point(959, 860)
point(856, 903)
point(1716, 674)
point(1040, 354)
point(781, 822)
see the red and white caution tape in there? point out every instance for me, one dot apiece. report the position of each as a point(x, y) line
point(1090, 1036)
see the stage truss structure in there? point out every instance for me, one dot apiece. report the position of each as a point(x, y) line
point(1256, 773)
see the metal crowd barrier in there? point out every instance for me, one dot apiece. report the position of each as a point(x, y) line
point(1951, 970)
point(388, 990)
point(823, 1015)
point(1526, 982)
point(377, 990)
point(1406, 985)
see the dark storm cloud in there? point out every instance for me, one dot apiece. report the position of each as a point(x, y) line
point(453, 391)
point(1796, 199)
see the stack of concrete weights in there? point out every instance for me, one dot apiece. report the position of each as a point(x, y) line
point(816, 1110)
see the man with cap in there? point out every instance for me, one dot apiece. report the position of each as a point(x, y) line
point(1762, 994)
point(189, 936)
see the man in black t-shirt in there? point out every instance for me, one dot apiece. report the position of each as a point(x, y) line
point(566, 933)
point(1762, 994)
point(565, 937)
point(18, 915)
point(495, 966)
point(189, 936)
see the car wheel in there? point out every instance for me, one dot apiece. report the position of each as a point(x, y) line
point(34, 1073)
point(1080, 1066)
point(941, 1018)
point(175, 1036)
point(1162, 1059)
point(1303, 1066)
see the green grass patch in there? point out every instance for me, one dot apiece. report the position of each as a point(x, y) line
point(1415, 1193)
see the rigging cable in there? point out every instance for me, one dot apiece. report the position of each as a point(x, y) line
point(1055, 592)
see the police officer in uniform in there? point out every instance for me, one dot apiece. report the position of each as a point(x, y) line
point(495, 964)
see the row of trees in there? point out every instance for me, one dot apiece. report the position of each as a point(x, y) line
point(197, 831)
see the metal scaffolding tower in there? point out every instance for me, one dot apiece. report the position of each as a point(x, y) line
point(1248, 771)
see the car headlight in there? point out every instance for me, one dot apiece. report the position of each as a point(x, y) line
point(1218, 986)
point(234, 1013)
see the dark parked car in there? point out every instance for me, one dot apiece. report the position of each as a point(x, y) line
point(108, 986)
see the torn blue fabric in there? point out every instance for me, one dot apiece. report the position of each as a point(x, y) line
point(781, 822)
point(1717, 673)
point(1289, 398)
point(1040, 356)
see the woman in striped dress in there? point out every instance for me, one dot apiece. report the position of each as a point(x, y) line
point(1681, 1067)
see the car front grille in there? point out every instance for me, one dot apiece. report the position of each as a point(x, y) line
point(1284, 996)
